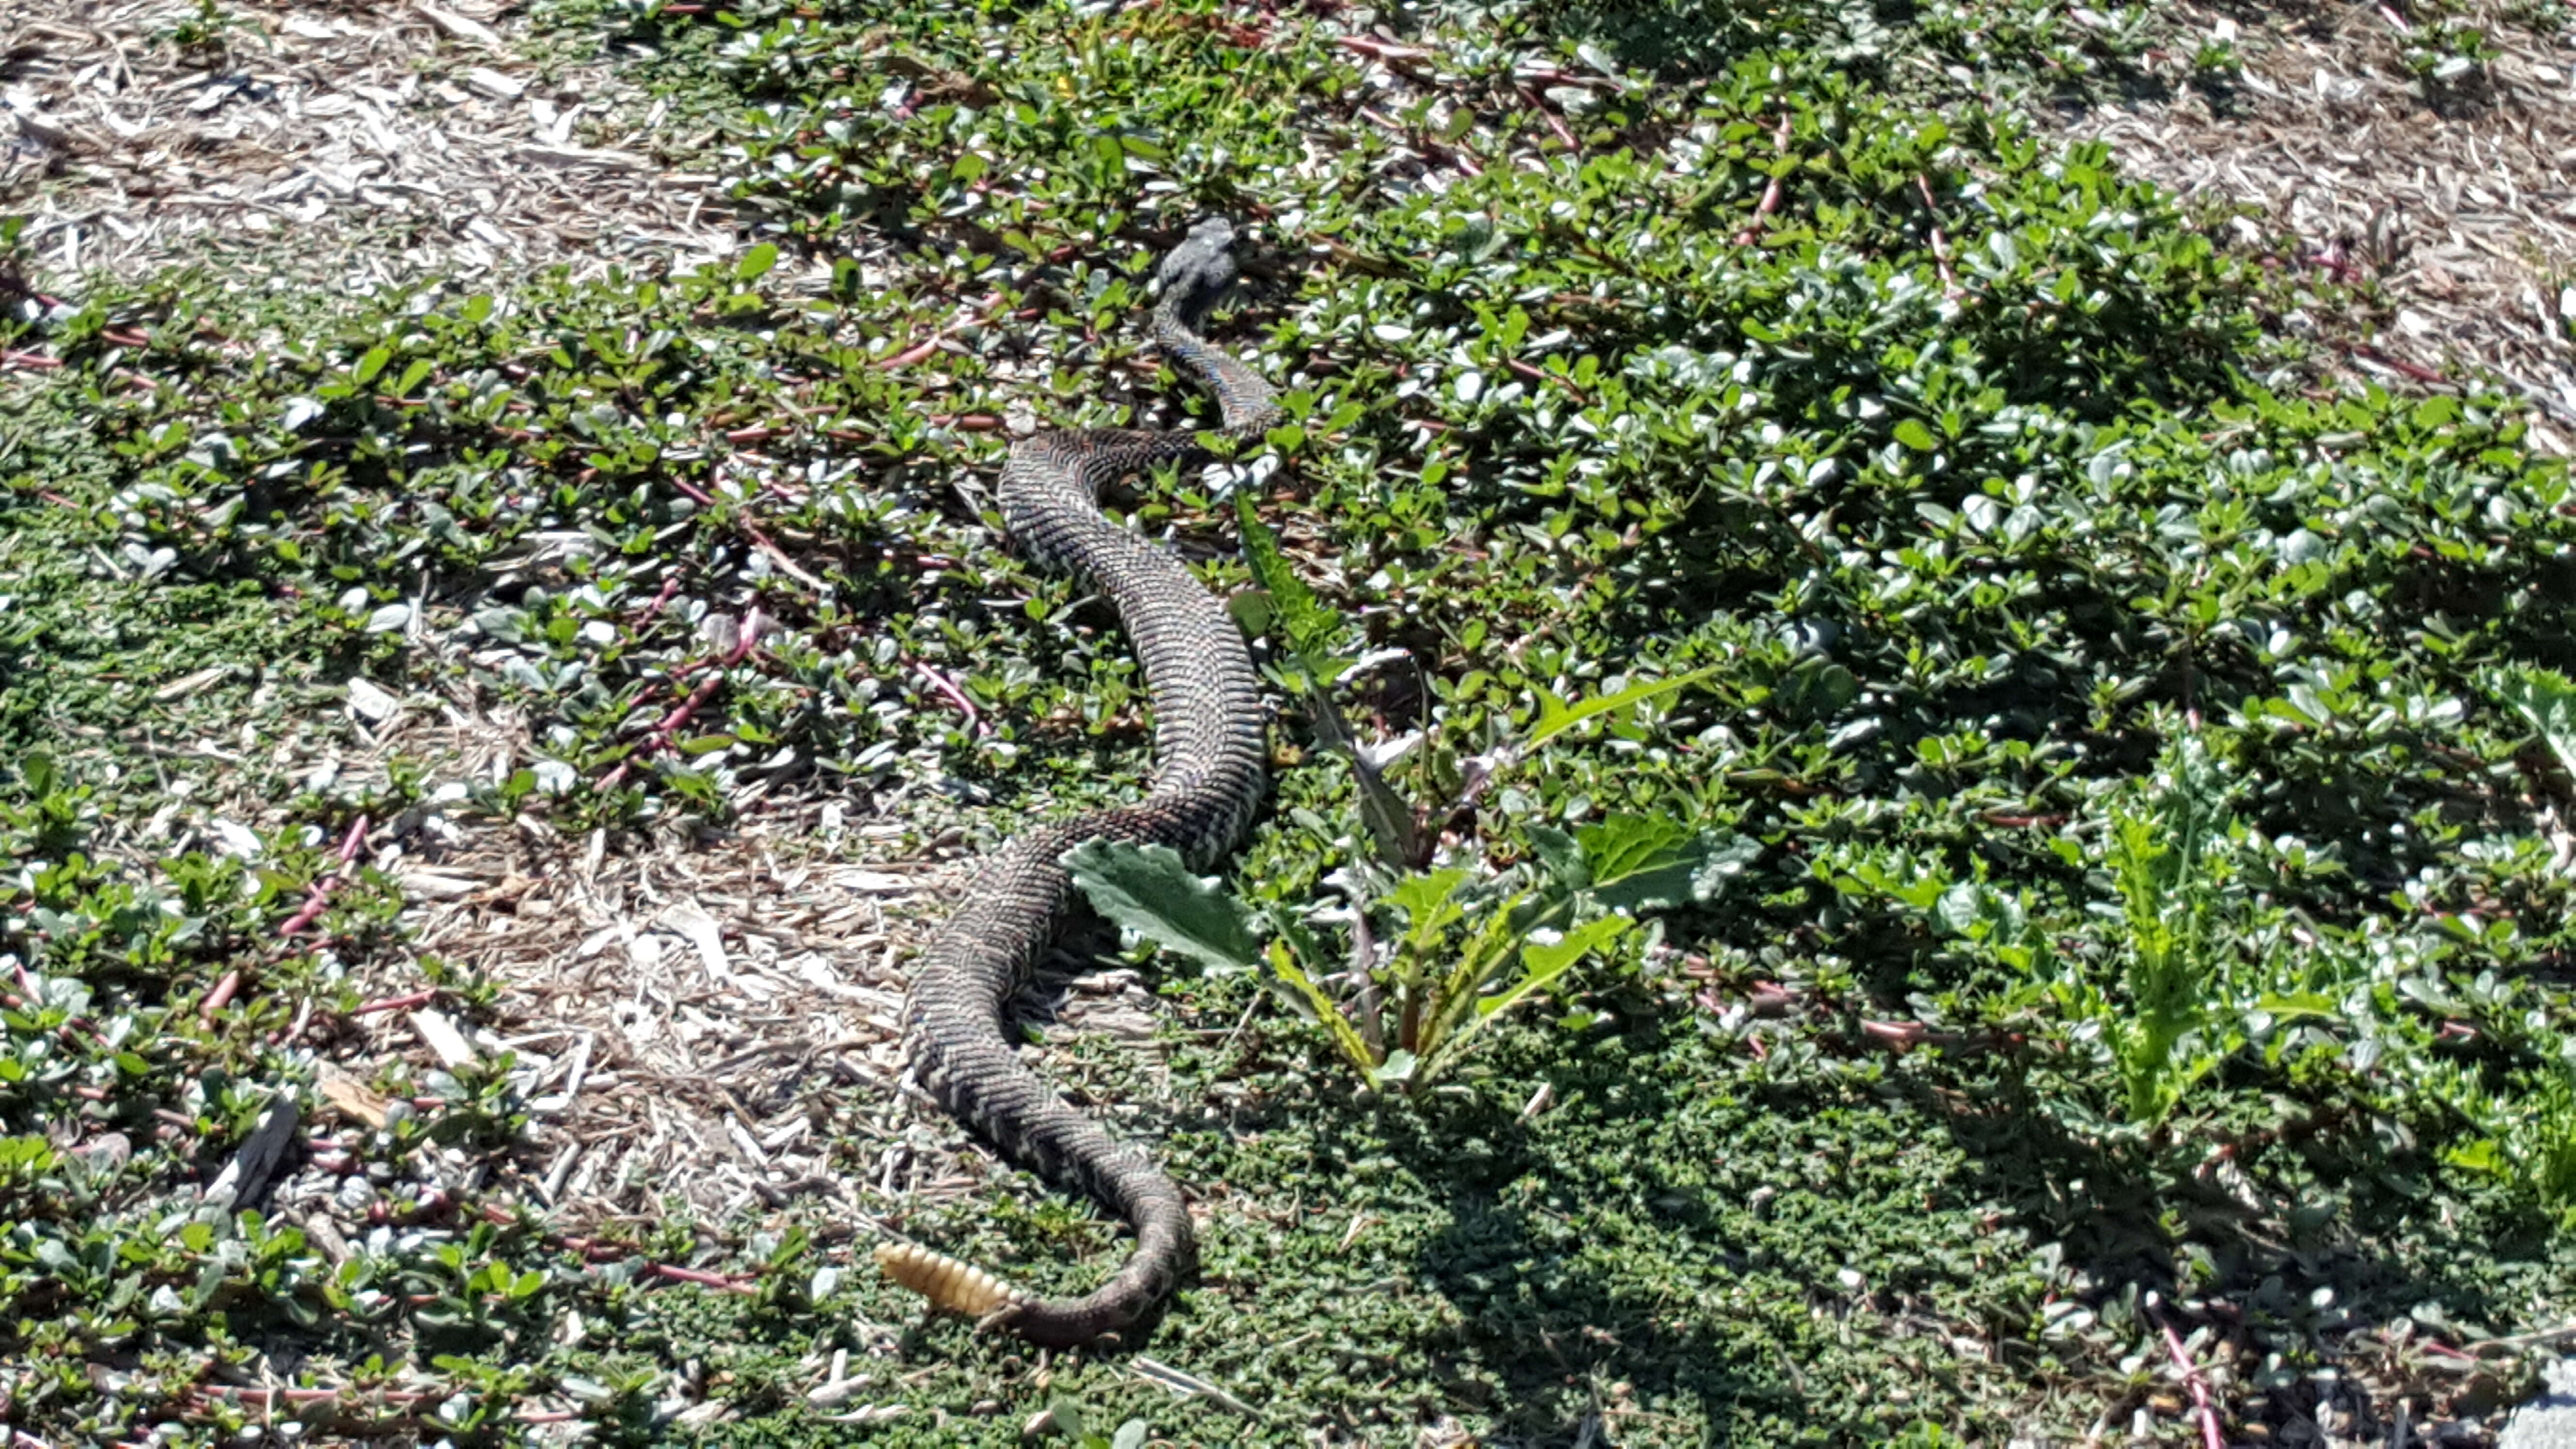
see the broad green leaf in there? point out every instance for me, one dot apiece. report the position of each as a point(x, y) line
point(1623, 845)
point(1652, 863)
point(1430, 904)
point(1914, 435)
point(1562, 856)
point(756, 262)
point(1149, 890)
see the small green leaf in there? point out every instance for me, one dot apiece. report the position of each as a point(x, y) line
point(756, 262)
point(2546, 699)
point(1913, 434)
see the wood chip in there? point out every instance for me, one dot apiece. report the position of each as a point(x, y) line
point(351, 1097)
point(702, 933)
point(441, 1037)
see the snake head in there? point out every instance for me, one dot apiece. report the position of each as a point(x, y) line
point(1197, 272)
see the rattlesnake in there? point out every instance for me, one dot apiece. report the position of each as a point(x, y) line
point(1208, 779)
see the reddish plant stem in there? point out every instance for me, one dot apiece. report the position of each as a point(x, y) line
point(2210, 1435)
point(409, 1002)
point(1562, 134)
point(747, 638)
point(703, 1279)
point(1536, 373)
point(350, 845)
point(229, 985)
point(220, 997)
point(930, 344)
point(1770, 201)
point(948, 690)
point(653, 610)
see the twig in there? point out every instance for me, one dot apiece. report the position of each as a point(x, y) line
point(397, 1003)
point(1191, 1384)
point(1437, 150)
point(752, 531)
point(2210, 1435)
point(2414, 371)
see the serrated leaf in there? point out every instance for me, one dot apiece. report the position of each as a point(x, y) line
point(1624, 845)
point(1555, 716)
point(1150, 890)
point(1289, 978)
point(1544, 962)
point(1305, 626)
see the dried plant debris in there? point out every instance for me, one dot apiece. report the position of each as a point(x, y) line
point(2412, 161)
point(330, 145)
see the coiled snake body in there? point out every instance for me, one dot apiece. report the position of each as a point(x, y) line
point(1208, 779)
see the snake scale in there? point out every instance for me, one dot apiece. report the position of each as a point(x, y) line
point(1208, 779)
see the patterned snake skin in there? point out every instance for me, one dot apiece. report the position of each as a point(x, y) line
point(1208, 749)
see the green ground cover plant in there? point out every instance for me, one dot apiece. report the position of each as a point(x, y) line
point(2094, 903)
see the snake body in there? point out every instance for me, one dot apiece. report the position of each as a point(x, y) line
point(1208, 779)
